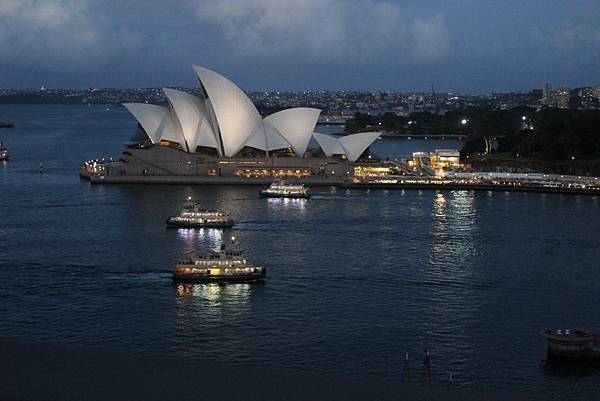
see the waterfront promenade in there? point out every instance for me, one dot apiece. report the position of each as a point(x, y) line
point(549, 184)
point(477, 181)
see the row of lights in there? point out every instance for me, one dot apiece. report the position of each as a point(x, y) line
point(98, 161)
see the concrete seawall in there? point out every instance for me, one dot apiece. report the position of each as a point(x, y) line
point(196, 180)
point(477, 187)
point(332, 181)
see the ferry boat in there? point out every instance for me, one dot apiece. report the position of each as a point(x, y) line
point(566, 343)
point(279, 189)
point(4, 155)
point(192, 216)
point(224, 266)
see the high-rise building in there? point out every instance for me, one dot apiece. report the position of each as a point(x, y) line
point(590, 98)
point(546, 94)
point(563, 97)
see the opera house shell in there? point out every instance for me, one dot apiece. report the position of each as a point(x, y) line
point(222, 134)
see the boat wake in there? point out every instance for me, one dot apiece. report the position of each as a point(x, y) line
point(80, 205)
point(334, 197)
point(147, 276)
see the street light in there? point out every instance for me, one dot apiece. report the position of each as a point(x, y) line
point(464, 121)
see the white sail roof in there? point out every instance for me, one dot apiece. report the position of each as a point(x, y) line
point(236, 115)
point(157, 121)
point(329, 144)
point(226, 119)
point(350, 145)
point(296, 125)
point(171, 131)
point(191, 114)
point(356, 144)
point(267, 137)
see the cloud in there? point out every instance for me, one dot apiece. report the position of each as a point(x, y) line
point(355, 30)
point(567, 35)
point(58, 33)
point(431, 38)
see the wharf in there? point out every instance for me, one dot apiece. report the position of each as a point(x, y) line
point(199, 180)
point(345, 183)
point(482, 181)
point(473, 187)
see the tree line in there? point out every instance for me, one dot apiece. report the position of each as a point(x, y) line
point(545, 134)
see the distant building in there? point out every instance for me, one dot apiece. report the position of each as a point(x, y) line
point(563, 97)
point(420, 159)
point(546, 94)
point(560, 97)
point(446, 159)
point(590, 98)
point(439, 159)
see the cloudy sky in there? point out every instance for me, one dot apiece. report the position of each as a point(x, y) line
point(470, 46)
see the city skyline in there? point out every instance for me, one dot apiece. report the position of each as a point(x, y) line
point(464, 47)
point(401, 103)
point(426, 90)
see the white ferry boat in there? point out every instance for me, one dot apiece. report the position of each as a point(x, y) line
point(224, 266)
point(279, 189)
point(4, 155)
point(192, 216)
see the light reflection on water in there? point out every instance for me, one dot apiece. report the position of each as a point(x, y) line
point(453, 225)
point(297, 203)
point(451, 263)
point(215, 294)
point(193, 237)
point(198, 306)
point(212, 296)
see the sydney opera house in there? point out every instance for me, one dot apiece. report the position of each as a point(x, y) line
point(221, 137)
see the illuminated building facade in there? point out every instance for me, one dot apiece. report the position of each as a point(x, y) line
point(420, 159)
point(439, 159)
point(563, 97)
point(547, 98)
point(445, 159)
point(222, 134)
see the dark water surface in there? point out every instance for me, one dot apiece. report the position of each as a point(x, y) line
point(355, 279)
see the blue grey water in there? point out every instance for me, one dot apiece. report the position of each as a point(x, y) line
point(355, 278)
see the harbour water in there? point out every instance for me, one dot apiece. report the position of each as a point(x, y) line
point(355, 278)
